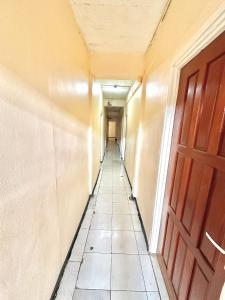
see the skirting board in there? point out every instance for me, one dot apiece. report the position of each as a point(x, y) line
point(135, 200)
point(118, 145)
point(101, 161)
point(55, 290)
point(139, 214)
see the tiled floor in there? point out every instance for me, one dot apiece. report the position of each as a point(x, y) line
point(109, 259)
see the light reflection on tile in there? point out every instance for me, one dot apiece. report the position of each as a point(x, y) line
point(110, 250)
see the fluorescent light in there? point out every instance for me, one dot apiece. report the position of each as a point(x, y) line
point(114, 89)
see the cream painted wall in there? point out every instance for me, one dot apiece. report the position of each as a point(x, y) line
point(45, 129)
point(132, 110)
point(112, 129)
point(151, 126)
point(123, 134)
point(183, 20)
point(104, 133)
point(44, 122)
point(96, 123)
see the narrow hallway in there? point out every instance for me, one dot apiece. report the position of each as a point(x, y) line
point(109, 259)
point(112, 150)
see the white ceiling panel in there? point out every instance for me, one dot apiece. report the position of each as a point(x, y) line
point(120, 26)
point(115, 89)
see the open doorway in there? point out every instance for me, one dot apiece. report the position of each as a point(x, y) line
point(114, 117)
point(112, 129)
point(115, 93)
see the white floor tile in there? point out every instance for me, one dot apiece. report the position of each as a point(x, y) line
point(124, 242)
point(64, 295)
point(98, 241)
point(128, 189)
point(153, 296)
point(122, 222)
point(118, 190)
point(126, 273)
point(121, 208)
point(105, 190)
point(141, 244)
point(95, 272)
point(120, 198)
point(92, 203)
point(133, 208)
point(91, 295)
point(118, 183)
point(136, 223)
point(86, 222)
point(89, 211)
point(159, 278)
point(101, 221)
point(78, 248)
point(132, 276)
point(68, 281)
point(149, 277)
point(103, 208)
point(106, 183)
point(126, 295)
point(107, 198)
point(107, 172)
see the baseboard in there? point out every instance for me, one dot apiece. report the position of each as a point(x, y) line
point(56, 287)
point(118, 145)
point(93, 190)
point(121, 156)
point(139, 214)
point(142, 225)
point(128, 177)
point(101, 161)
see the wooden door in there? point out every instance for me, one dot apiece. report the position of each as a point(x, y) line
point(196, 183)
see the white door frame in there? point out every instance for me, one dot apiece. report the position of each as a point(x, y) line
point(214, 26)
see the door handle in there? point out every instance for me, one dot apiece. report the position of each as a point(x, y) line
point(214, 243)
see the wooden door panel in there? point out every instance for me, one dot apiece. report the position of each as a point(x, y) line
point(221, 150)
point(186, 275)
point(199, 285)
point(172, 251)
point(212, 84)
point(188, 107)
point(176, 185)
point(179, 263)
point(200, 204)
point(214, 219)
point(192, 194)
point(196, 187)
point(218, 279)
point(217, 131)
point(183, 186)
point(169, 232)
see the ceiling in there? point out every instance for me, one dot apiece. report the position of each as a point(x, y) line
point(115, 89)
point(118, 26)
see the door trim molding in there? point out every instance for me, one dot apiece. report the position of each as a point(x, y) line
point(210, 30)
